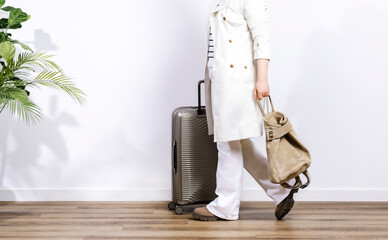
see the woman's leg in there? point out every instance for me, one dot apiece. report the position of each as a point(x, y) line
point(229, 181)
point(256, 164)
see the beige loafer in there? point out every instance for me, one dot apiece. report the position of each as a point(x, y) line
point(203, 214)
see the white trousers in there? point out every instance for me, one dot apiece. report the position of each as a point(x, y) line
point(233, 157)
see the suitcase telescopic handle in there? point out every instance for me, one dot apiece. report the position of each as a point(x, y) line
point(199, 110)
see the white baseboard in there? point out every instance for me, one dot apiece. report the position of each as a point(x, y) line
point(324, 194)
point(313, 194)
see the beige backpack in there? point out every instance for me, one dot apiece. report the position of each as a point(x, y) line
point(287, 156)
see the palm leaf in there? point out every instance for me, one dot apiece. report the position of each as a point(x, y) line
point(16, 100)
point(60, 81)
point(13, 95)
point(29, 60)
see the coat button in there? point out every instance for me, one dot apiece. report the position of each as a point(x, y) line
point(230, 41)
point(224, 18)
point(257, 44)
point(231, 66)
point(245, 67)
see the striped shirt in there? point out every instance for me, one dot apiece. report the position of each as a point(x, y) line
point(210, 52)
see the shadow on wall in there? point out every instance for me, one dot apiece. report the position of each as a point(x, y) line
point(42, 41)
point(5, 123)
point(18, 141)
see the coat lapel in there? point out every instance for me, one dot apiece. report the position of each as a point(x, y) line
point(215, 6)
point(219, 5)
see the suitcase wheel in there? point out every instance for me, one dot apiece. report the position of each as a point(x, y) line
point(178, 210)
point(171, 205)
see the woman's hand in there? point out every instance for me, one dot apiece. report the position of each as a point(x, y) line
point(262, 87)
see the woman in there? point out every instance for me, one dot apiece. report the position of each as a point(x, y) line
point(236, 75)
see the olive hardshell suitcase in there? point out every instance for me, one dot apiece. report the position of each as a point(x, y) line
point(194, 157)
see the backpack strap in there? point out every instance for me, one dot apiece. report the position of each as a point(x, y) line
point(298, 184)
point(279, 132)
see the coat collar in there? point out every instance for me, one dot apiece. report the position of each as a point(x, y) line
point(218, 5)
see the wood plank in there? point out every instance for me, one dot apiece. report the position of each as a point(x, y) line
point(152, 220)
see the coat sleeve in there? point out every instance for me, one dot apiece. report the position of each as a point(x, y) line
point(256, 15)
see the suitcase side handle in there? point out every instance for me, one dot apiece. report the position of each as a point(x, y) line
point(175, 157)
point(199, 110)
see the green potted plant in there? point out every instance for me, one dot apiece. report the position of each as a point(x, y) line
point(26, 70)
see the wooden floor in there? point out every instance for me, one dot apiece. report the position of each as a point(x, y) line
point(153, 220)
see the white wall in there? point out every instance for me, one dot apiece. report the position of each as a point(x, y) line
point(139, 60)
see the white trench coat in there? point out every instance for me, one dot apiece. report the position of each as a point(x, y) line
point(240, 35)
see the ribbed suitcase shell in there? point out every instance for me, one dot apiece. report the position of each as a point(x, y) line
point(194, 156)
